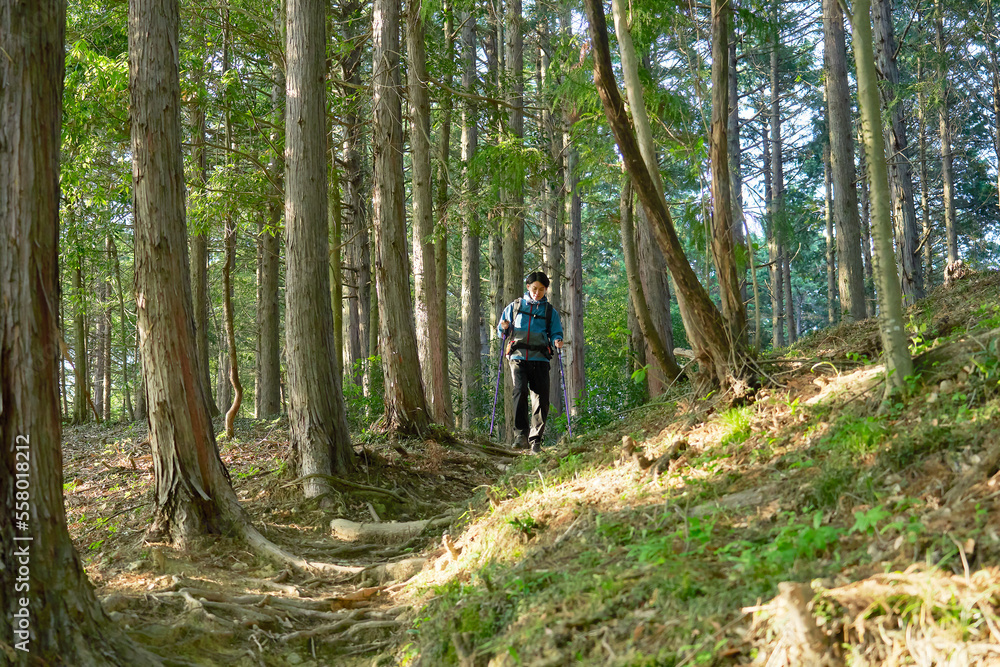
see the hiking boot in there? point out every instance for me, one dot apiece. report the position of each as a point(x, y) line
point(521, 444)
point(536, 448)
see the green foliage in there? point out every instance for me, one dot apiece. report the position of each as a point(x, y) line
point(736, 423)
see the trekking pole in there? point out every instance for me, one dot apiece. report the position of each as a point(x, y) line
point(496, 392)
point(562, 376)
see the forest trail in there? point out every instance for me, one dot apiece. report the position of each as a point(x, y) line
point(817, 523)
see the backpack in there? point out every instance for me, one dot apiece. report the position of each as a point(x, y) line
point(546, 350)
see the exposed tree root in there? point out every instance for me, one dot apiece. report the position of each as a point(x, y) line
point(343, 482)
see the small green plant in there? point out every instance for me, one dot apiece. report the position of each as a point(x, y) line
point(867, 521)
point(525, 524)
point(736, 422)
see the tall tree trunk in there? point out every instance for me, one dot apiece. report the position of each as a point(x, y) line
point(722, 219)
point(665, 360)
point(141, 413)
point(199, 239)
point(991, 44)
point(441, 245)
point(428, 314)
point(267, 397)
point(472, 370)
point(192, 494)
point(790, 321)
point(831, 268)
point(317, 414)
point(925, 207)
point(406, 409)
point(655, 284)
point(229, 242)
point(898, 364)
point(777, 322)
point(336, 263)
point(735, 165)
point(223, 387)
point(358, 264)
point(777, 210)
point(512, 194)
point(49, 611)
point(127, 393)
point(991, 47)
point(100, 340)
point(106, 316)
point(81, 386)
point(700, 314)
point(866, 233)
point(900, 172)
point(944, 130)
point(850, 271)
point(575, 346)
point(554, 205)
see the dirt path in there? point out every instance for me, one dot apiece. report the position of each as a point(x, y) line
point(218, 605)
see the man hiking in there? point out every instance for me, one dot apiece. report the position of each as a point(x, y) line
point(529, 347)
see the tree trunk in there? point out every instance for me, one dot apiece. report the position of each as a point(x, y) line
point(575, 339)
point(944, 129)
point(735, 166)
point(199, 242)
point(554, 205)
point(665, 360)
point(655, 284)
point(722, 218)
point(512, 195)
point(100, 340)
point(223, 387)
point(229, 242)
point(229, 317)
point(127, 398)
point(472, 369)
point(773, 251)
point(790, 321)
point(49, 609)
point(850, 271)
point(900, 172)
point(406, 409)
point(428, 314)
point(192, 493)
point(866, 230)
point(141, 413)
point(336, 264)
point(898, 364)
point(317, 415)
point(441, 246)
point(831, 268)
point(81, 386)
point(702, 320)
point(995, 77)
point(106, 316)
point(358, 263)
point(267, 397)
point(925, 207)
point(777, 210)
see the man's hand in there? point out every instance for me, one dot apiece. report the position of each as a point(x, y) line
point(559, 343)
point(504, 324)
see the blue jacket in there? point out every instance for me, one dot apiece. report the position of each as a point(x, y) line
point(529, 327)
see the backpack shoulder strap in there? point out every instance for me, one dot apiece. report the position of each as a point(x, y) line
point(548, 319)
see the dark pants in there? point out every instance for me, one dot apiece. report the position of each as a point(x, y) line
point(530, 377)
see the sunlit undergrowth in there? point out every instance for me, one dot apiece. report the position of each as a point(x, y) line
point(591, 555)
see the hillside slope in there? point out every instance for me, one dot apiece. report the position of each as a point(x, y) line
point(820, 524)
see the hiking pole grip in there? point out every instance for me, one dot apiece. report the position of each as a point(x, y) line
point(562, 376)
point(496, 392)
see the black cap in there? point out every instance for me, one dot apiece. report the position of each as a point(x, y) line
point(537, 277)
